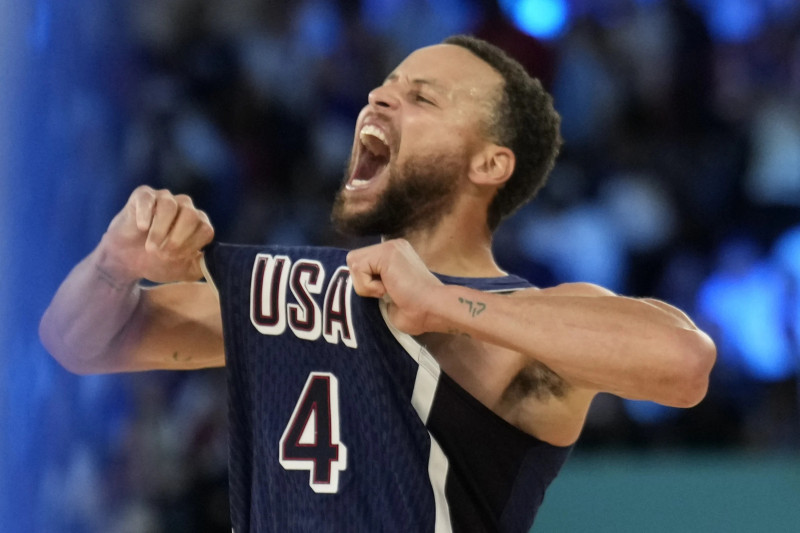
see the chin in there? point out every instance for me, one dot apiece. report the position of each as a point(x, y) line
point(368, 222)
point(349, 220)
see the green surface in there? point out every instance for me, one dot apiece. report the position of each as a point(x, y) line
point(674, 493)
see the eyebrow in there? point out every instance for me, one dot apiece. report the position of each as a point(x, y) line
point(417, 81)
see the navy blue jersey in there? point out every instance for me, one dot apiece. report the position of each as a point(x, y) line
point(339, 422)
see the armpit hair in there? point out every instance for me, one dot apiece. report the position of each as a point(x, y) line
point(535, 380)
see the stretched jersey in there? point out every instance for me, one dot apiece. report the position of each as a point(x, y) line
point(340, 422)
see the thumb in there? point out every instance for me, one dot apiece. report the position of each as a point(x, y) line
point(368, 285)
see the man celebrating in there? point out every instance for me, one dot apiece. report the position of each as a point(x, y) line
point(423, 402)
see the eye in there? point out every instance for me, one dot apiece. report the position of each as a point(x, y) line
point(419, 98)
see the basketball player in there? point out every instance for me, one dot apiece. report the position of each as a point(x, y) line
point(407, 386)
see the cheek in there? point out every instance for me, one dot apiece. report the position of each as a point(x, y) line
point(432, 137)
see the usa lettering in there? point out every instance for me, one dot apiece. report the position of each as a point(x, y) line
point(271, 312)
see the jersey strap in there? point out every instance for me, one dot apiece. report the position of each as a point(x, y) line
point(507, 283)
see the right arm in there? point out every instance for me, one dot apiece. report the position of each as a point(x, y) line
point(101, 320)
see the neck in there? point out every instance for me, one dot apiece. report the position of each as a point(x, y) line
point(456, 246)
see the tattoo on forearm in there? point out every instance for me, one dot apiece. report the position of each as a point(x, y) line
point(475, 308)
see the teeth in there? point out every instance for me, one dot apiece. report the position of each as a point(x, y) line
point(357, 184)
point(372, 131)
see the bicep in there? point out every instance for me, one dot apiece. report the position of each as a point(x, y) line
point(573, 289)
point(672, 311)
point(668, 312)
point(176, 326)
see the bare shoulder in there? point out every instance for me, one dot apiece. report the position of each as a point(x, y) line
point(566, 289)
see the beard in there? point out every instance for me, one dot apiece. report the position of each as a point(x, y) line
point(417, 195)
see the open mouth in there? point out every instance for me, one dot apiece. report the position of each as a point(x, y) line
point(373, 157)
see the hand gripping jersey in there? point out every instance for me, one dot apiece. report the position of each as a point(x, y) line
point(341, 423)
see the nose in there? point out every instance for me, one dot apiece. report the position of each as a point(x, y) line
point(383, 96)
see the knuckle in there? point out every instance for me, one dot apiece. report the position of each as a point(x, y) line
point(205, 222)
point(206, 232)
point(183, 200)
point(163, 196)
point(168, 202)
point(141, 195)
point(201, 217)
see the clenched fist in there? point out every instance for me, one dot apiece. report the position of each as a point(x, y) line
point(157, 236)
point(393, 270)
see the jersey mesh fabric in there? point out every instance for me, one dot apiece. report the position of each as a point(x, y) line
point(385, 486)
point(497, 474)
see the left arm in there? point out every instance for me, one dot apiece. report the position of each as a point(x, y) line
point(590, 337)
point(594, 339)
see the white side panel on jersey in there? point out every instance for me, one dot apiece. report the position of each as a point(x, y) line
point(425, 385)
point(437, 470)
point(422, 396)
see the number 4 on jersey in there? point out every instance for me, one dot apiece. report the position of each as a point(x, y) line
point(311, 438)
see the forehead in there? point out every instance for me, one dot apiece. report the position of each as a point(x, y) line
point(450, 68)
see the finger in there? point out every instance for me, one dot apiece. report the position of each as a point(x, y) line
point(202, 234)
point(366, 282)
point(165, 211)
point(368, 287)
point(363, 260)
point(144, 201)
point(185, 224)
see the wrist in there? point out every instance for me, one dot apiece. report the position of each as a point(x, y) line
point(459, 310)
point(112, 268)
point(439, 317)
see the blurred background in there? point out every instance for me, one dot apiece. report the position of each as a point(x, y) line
point(679, 179)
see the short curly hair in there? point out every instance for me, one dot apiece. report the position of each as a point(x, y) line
point(523, 120)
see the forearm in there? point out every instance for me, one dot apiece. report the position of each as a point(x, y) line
point(89, 313)
point(633, 348)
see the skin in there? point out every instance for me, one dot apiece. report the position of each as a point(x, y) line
point(536, 357)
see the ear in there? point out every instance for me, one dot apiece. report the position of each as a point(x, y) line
point(492, 166)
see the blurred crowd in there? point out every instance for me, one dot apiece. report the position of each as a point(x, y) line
point(679, 179)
